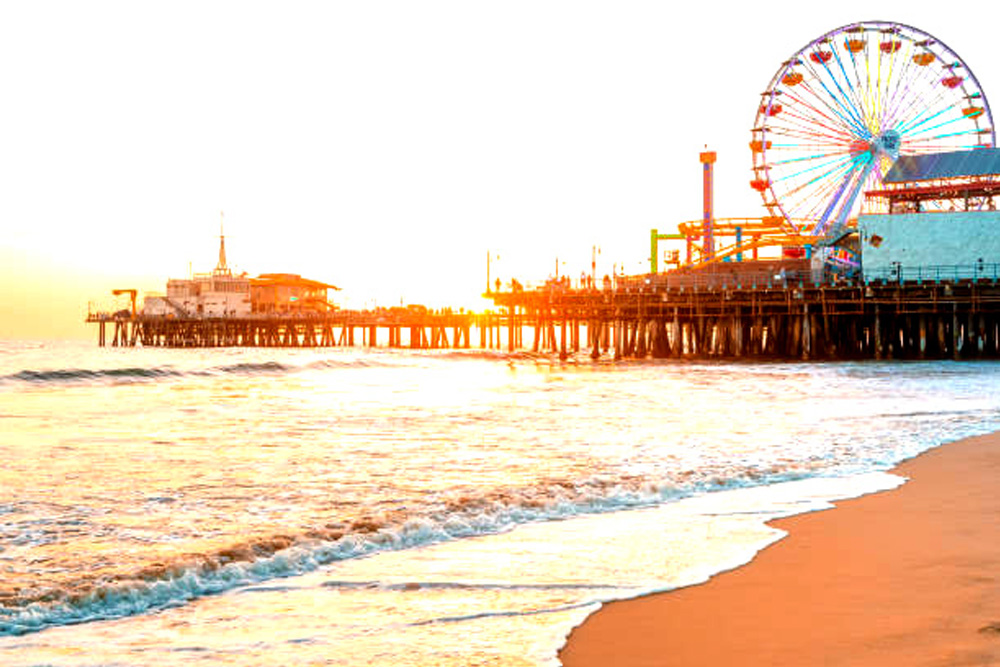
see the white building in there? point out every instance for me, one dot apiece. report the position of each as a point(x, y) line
point(215, 294)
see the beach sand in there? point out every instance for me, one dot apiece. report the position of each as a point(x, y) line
point(904, 577)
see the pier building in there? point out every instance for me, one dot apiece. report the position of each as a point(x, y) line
point(289, 293)
point(222, 294)
point(215, 294)
point(941, 220)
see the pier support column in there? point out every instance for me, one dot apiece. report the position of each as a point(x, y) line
point(877, 333)
point(922, 344)
point(956, 333)
point(677, 344)
point(807, 338)
point(736, 334)
point(563, 355)
point(594, 336)
point(511, 315)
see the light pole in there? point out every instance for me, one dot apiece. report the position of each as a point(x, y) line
point(488, 258)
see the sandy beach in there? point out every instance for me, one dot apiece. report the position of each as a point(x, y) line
point(905, 577)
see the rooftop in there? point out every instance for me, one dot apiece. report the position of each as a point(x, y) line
point(289, 280)
point(938, 166)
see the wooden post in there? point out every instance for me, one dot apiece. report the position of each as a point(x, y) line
point(877, 332)
point(511, 314)
point(619, 347)
point(737, 335)
point(956, 333)
point(562, 338)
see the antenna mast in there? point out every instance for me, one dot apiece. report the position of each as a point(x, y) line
point(221, 269)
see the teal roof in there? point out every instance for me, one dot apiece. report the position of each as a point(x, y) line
point(934, 166)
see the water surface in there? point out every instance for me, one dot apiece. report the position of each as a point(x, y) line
point(250, 506)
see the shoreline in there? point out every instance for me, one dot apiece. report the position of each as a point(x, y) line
point(903, 577)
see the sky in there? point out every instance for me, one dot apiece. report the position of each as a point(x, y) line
point(386, 147)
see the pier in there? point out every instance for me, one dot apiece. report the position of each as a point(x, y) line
point(661, 316)
point(416, 329)
point(763, 317)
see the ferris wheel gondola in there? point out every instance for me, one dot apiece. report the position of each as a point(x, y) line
point(842, 109)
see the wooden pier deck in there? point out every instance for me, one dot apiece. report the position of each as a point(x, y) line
point(641, 317)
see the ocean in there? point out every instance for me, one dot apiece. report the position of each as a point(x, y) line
point(435, 508)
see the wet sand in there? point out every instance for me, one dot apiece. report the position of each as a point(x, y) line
point(904, 577)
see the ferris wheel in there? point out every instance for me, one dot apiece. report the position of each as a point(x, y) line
point(840, 111)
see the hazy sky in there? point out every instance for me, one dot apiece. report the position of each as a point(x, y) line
point(384, 147)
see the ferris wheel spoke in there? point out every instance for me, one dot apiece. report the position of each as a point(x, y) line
point(836, 125)
point(828, 99)
point(848, 116)
point(821, 140)
point(887, 94)
point(865, 92)
point(805, 147)
point(826, 188)
point(826, 185)
point(835, 165)
point(855, 91)
point(928, 100)
point(934, 127)
point(912, 128)
point(804, 127)
point(884, 82)
point(831, 122)
point(878, 87)
point(919, 125)
point(805, 158)
point(810, 127)
point(921, 140)
point(852, 109)
point(908, 76)
point(930, 108)
point(912, 96)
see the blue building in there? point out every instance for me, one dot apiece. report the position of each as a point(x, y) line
point(940, 219)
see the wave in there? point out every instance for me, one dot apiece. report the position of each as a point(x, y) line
point(459, 585)
point(78, 374)
point(139, 374)
point(164, 585)
point(462, 618)
point(145, 373)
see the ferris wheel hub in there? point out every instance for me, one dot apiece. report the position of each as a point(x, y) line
point(887, 144)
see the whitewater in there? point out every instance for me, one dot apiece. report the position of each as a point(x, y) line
point(350, 507)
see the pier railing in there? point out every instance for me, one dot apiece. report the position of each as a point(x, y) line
point(772, 279)
point(951, 273)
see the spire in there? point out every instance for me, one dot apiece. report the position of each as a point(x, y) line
point(221, 268)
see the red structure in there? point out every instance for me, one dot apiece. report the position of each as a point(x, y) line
point(707, 233)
